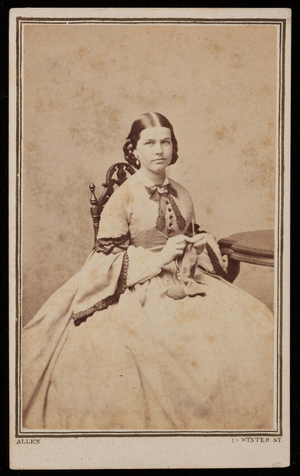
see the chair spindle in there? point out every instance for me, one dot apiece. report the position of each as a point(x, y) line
point(95, 210)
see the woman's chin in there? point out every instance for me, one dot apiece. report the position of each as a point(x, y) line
point(159, 166)
point(155, 169)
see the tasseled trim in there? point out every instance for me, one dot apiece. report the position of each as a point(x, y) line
point(82, 316)
point(106, 245)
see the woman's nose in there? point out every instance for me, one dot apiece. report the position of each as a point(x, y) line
point(158, 148)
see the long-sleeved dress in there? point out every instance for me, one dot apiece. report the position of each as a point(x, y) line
point(141, 359)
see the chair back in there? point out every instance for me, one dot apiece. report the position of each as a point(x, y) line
point(115, 176)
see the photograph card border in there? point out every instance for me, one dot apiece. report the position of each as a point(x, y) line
point(281, 23)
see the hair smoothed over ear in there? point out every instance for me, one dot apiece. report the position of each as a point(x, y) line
point(148, 119)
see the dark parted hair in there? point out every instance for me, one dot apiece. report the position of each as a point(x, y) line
point(149, 119)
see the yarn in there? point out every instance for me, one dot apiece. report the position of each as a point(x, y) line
point(186, 286)
point(176, 292)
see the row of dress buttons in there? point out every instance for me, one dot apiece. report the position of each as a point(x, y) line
point(169, 218)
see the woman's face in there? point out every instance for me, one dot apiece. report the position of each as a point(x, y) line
point(154, 149)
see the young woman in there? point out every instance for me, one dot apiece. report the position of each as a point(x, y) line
point(142, 338)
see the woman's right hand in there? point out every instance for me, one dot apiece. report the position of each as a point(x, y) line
point(174, 247)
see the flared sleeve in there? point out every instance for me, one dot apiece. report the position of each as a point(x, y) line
point(114, 264)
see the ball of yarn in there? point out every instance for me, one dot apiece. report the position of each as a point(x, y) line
point(176, 292)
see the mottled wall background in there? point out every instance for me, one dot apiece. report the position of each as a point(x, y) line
point(83, 85)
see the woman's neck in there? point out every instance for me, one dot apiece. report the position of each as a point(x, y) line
point(156, 178)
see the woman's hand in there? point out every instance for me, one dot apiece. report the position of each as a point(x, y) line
point(201, 240)
point(174, 247)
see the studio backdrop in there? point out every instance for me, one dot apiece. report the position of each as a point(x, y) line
point(84, 85)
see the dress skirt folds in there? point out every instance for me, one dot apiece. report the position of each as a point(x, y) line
point(112, 350)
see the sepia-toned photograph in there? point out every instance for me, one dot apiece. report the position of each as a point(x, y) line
point(149, 208)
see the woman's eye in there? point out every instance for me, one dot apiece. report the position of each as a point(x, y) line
point(166, 142)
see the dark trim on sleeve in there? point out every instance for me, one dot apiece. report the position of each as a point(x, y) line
point(82, 316)
point(106, 245)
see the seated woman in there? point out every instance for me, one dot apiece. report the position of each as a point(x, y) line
point(141, 337)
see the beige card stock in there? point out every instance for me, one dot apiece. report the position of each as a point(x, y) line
point(78, 79)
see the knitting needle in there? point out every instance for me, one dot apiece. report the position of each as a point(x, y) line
point(159, 247)
point(193, 226)
point(162, 234)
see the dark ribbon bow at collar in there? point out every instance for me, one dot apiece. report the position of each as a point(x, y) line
point(161, 193)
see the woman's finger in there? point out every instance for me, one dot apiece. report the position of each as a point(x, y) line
point(178, 239)
point(196, 238)
point(200, 243)
point(189, 240)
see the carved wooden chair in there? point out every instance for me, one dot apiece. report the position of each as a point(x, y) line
point(256, 247)
point(115, 176)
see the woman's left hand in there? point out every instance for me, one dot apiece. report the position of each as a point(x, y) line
point(201, 240)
